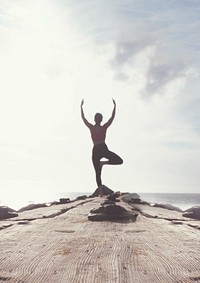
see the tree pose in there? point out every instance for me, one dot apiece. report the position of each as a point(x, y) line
point(100, 149)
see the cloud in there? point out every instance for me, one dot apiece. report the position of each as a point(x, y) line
point(172, 33)
point(166, 63)
point(169, 28)
point(162, 73)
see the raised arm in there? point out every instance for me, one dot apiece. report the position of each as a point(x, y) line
point(83, 115)
point(107, 124)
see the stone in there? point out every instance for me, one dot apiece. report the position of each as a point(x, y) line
point(111, 212)
point(64, 200)
point(32, 206)
point(106, 191)
point(132, 198)
point(167, 206)
point(54, 203)
point(114, 196)
point(107, 201)
point(7, 212)
point(81, 197)
point(193, 212)
point(112, 209)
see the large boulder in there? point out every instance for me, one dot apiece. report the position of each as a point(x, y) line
point(7, 212)
point(105, 190)
point(193, 212)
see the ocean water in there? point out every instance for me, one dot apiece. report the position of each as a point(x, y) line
point(183, 201)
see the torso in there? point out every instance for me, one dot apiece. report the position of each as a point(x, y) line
point(98, 134)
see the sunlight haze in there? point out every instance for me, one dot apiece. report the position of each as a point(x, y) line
point(144, 54)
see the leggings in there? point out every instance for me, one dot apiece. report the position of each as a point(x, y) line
point(99, 151)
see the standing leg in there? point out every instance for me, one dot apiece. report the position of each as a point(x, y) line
point(97, 166)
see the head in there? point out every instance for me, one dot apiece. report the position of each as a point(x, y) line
point(98, 118)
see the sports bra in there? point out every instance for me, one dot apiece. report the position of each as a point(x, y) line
point(98, 134)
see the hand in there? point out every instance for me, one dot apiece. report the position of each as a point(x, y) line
point(82, 102)
point(114, 102)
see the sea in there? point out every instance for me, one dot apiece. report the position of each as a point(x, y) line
point(181, 200)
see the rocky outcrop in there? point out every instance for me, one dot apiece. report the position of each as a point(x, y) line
point(110, 211)
point(167, 206)
point(6, 212)
point(106, 191)
point(193, 212)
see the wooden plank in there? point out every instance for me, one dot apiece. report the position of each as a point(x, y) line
point(69, 248)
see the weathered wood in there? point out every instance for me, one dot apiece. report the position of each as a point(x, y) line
point(69, 248)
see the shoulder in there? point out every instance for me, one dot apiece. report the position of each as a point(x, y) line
point(91, 127)
point(106, 125)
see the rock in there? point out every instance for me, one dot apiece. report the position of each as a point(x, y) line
point(107, 201)
point(167, 206)
point(64, 200)
point(32, 206)
point(106, 191)
point(132, 198)
point(193, 212)
point(61, 201)
point(111, 212)
point(7, 212)
point(54, 203)
point(193, 209)
point(114, 196)
point(112, 199)
point(112, 209)
point(81, 197)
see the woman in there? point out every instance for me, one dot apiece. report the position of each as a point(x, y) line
point(100, 149)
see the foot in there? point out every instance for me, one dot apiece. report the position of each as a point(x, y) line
point(100, 189)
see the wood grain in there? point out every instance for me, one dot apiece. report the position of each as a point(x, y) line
point(69, 248)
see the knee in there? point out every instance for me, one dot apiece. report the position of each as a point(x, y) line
point(120, 161)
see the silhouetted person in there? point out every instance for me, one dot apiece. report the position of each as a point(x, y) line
point(100, 149)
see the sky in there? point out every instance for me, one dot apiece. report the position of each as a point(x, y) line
point(142, 53)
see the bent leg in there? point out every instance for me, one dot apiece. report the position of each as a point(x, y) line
point(113, 158)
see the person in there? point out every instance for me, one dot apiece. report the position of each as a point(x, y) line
point(100, 149)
